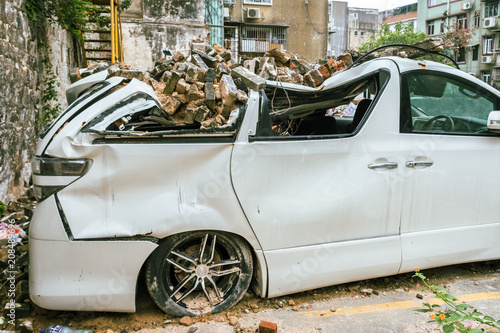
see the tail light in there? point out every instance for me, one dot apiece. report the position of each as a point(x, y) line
point(51, 175)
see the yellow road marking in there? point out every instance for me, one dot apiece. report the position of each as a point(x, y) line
point(397, 305)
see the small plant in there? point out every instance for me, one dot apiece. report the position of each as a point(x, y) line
point(50, 107)
point(71, 15)
point(460, 317)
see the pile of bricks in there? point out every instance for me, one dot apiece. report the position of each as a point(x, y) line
point(204, 87)
point(280, 65)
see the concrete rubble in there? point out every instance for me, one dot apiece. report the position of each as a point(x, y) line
point(200, 90)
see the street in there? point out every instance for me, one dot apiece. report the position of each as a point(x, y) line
point(377, 305)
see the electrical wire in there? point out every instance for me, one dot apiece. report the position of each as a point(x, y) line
point(310, 21)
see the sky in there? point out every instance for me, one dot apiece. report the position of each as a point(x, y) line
point(379, 4)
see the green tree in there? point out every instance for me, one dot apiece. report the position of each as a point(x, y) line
point(71, 15)
point(402, 34)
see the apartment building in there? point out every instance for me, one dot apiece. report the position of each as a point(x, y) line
point(481, 56)
point(405, 14)
point(252, 27)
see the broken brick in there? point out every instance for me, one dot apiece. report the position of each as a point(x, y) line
point(181, 67)
point(228, 90)
point(182, 86)
point(194, 93)
point(346, 58)
point(210, 95)
point(313, 78)
point(201, 64)
point(297, 78)
point(250, 65)
point(194, 74)
point(222, 69)
point(268, 327)
point(250, 79)
point(208, 60)
point(280, 55)
point(190, 114)
point(324, 71)
point(226, 56)
point(201, 114)
point(239, 84)
point(268, 72)
point(242, 96)
point(171, 83)
point(210, 75)
point(178, 56)
point(266, 60)
point(132, 74)
point(219, 48)
point(172, 105)
point(182, 98)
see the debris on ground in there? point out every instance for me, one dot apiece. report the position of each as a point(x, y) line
point(14, 293)
point(268, 327)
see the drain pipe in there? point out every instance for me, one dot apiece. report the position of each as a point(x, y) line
point(448, 14)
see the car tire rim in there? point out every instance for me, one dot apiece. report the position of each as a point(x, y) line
point(198, 271)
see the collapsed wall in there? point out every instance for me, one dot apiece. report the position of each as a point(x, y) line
point(202, 89)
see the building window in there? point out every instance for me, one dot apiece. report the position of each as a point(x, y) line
point(487, 45)
point(475, 53)
point(490, 10)
point(362, 33)
point(462, 21)
point(486, 77)
point(262, 39)
point(354, 16)
point(477, 18)
point(435, 2)
point(355, 33)
point(442, 27)
point(258, 2)
point(460, 55)
point(430, 28)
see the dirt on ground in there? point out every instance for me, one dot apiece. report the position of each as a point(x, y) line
point(148, 316)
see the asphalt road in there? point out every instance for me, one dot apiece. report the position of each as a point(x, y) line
point(342, 308)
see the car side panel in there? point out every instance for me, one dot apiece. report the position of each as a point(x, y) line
point(434, 248)
point(86, 276)
point(155, 190)
point(309, 267)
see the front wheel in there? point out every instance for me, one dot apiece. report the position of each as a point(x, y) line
point(199, 272)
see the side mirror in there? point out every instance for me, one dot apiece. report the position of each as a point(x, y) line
point(494, 121)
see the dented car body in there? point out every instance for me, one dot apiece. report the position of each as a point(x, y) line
point(281, 197)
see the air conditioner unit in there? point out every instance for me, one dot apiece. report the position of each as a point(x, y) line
point(466, 6)
point(253, 13)
point(489, 22)
point(486, 59)
point(226, 12)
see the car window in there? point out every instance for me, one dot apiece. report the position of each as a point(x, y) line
point(140, 116)
point(318, 114)
point(440, 103)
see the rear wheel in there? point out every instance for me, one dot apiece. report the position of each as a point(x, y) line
point(199, 272)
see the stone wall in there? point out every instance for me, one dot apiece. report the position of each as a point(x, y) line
point(21, 76)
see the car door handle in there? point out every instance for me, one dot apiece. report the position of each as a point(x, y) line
point(385, 165)
point(413, 164)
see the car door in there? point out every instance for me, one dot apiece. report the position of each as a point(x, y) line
point(450, 210)
point(324, 208)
